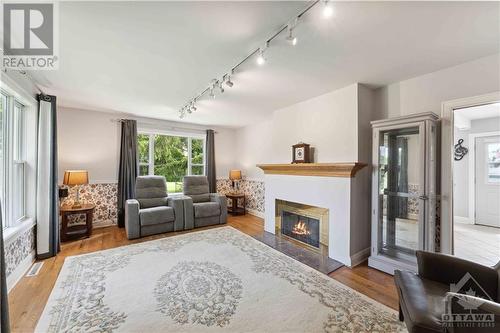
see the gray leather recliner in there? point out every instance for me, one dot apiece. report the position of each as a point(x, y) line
point(202, 208)
point(152, 211)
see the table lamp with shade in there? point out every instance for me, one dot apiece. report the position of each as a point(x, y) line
point(234, 175)
point(77, 178)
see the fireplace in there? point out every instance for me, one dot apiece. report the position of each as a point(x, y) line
point(303, 223)
point(302, 228)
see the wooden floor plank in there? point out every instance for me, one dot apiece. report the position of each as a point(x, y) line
point(28, 298)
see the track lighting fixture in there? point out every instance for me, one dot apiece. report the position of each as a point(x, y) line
point(327, 10)
point(261, 60)
point(257, 54)
point(290, 37)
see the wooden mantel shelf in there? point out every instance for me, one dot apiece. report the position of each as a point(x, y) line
point(314, 169)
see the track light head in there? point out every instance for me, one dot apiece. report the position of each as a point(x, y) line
point(212, 92)
point(229, 83)
point(221, 87)
point(291, 38)
point(261, 60)
point(327, 10)
point(193, 108)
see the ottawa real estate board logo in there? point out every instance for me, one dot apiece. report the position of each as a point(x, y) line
point(30, 36)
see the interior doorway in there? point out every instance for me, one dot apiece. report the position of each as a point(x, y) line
point(476, 183)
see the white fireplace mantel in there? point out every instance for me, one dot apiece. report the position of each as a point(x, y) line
point(349, 218)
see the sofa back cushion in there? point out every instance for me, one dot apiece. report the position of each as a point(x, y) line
point(196, 187)
point(151, 191)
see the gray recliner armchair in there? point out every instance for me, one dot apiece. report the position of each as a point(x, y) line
point(202, 208)
point(152, 211)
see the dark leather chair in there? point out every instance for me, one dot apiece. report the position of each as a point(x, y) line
point(425, 297)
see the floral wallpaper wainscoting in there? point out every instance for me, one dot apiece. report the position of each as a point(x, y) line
point(103, 196)
point(253, 190)
point(18, 248)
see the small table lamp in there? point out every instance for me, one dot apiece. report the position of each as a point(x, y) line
point(76, 177)
point(234, 175)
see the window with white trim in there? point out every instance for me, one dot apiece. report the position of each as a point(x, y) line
point(171, 156)
point(12, 160)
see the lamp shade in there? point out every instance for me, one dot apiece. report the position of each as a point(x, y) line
point(76, 177)
point(235, 174)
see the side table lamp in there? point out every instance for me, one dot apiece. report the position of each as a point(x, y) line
point(235, 175)
point(77, 178)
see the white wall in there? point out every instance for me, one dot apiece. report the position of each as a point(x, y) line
point(90, 140)
point(426, 93)
point(327, 122)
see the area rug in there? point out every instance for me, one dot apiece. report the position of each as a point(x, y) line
point(218, 280)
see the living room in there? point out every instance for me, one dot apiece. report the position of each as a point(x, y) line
point(207, 166)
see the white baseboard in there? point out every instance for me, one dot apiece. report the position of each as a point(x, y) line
point(20, 270)
point(255, 213)
point(462, 219)
point(360, 257)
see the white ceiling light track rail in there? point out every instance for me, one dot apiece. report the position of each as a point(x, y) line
point(217, 85)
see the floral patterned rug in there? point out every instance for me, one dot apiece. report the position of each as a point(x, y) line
point(218, 280)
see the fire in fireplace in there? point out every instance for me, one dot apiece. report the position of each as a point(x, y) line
point(302, 228)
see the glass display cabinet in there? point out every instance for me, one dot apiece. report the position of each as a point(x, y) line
point(404, 190)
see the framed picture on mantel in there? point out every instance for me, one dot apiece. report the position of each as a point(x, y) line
point(301, 153)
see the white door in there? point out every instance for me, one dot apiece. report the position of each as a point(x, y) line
point(487, 168)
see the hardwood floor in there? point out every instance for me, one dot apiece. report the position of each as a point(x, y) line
point(27, 299)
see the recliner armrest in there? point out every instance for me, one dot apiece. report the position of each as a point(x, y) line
point(222, 201)
point(449, 269)
point(457, 304)
point(188, 212)
point(132, 222)
point(177, 203)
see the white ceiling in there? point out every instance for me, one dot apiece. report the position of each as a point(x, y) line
point(150, 58)
point(480, 112)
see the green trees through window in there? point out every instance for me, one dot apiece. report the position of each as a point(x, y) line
point(170, 156)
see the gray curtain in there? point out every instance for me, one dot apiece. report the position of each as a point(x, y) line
point(47, 191)
point(402, 144)
point(4, 303)
point(129, 167)
point(210, 161)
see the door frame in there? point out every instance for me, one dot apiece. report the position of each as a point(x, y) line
point(472, 171)
point(447, 121)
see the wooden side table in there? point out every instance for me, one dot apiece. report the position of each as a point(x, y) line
point(234, 209)
point(76, 231)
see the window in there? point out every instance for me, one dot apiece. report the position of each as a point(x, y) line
point(12, 160)
point(171, 156)
point(493, 151)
